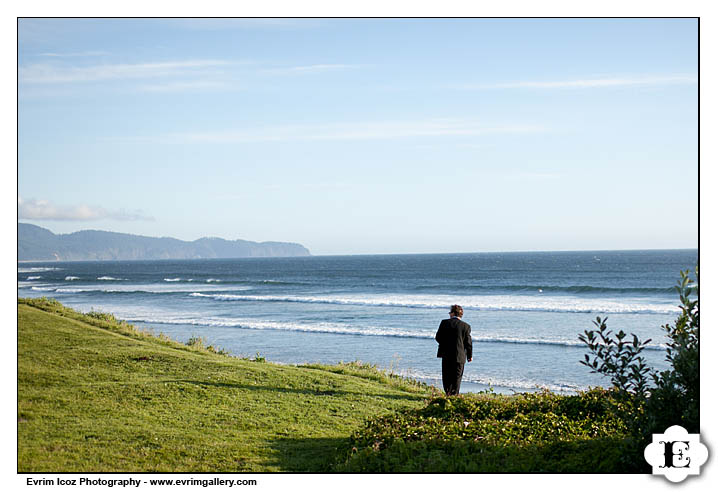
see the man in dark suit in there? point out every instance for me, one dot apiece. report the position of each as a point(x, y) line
point(454, 337)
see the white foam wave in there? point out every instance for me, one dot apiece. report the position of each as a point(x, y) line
point(43, 289)
point(253, 324)
point(146, 288)
point(172, 279)
point(567, 304)
point(108, 278)
point(213, 280)
point(516, 384)
point(331, 328)
point(34, 277)
point(71, 277)
point(36, 269)
point(526, 384)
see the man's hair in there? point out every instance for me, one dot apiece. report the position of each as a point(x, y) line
point(457, 310)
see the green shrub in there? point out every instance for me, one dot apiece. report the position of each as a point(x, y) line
point(529, 432)
point(674, 398)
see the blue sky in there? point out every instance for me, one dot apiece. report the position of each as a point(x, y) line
point(357, 136)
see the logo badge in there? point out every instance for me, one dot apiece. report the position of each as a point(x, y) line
point(676, 454)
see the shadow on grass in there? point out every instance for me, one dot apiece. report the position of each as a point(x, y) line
point(308, 455)
point(606, 455)
point(332, 455)
point(302, 391)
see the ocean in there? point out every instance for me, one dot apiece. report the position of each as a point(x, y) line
point(526, 310)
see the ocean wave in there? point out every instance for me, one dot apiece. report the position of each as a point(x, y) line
point(336, 328)
point(34, 277)
point(109, 278)
point(213, 280)
point(480, 303)
point(518, 384)
point(71, 277)
point(172, 279)
point(141, 289)
point(37, 269)
point(539, 288)
point(526, 384)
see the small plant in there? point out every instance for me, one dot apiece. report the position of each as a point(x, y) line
point(200, 343)
point(394, 364)
point(196, 342)
point(102, 316)
point(617, 358)
point(259, 358)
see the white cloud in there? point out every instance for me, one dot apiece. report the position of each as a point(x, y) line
point(356, 131)
point(44, 210)
point(46, 73)
point(74, 55)
point(213, 24)
point(183, 86)
point(590, 83)
point(317, 68)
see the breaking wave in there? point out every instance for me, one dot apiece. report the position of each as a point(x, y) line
point(485, 303)
point(336, 328)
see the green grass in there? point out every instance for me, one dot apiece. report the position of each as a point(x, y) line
point(97, 395)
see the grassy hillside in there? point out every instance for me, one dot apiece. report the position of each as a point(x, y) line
point(97, 395)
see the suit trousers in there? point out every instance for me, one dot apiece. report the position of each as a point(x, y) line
point(451, 374)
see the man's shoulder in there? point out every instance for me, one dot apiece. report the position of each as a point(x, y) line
point(456, 321)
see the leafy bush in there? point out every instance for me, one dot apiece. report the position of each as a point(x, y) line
point(617, 358)
point(528, 432)
point(674, 397)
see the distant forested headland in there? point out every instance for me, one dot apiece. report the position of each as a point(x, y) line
point(37, 243)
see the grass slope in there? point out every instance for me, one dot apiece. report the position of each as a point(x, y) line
point(97, 395)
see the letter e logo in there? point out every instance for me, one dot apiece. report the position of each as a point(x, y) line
point(676, 454)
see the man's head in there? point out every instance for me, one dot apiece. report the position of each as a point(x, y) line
point(457, 311)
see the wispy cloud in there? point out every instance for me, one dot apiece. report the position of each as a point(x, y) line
point(45, 73)
point(74, 55)
point(187, 85)
point(44, 210)
point(356, 131)
point(209, 24)
point(589, 82)
point(317, 68)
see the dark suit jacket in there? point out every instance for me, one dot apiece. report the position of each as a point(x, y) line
point(454, 337)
